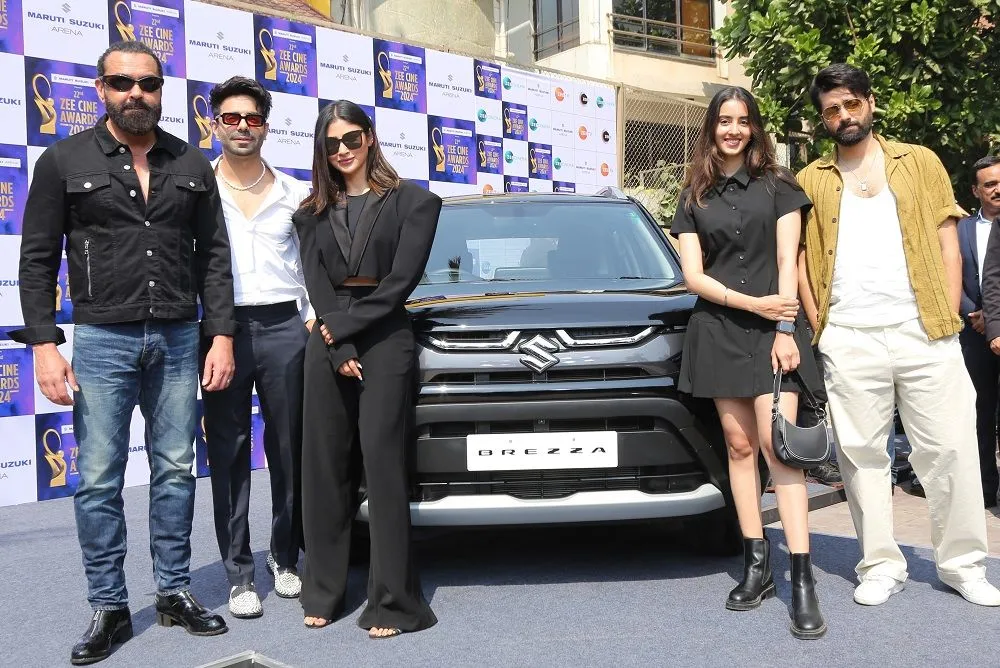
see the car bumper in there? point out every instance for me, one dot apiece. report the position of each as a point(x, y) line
point(606, 506)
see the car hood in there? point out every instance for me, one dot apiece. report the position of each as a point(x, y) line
point(542, 310)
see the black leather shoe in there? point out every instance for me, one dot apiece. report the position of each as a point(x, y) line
point(107, 628)
point(758, 582)
point(182, 609)
point(807, 620)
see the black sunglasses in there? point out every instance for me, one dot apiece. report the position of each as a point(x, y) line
point(233, 118)
point(352, 140)
point(124, 84)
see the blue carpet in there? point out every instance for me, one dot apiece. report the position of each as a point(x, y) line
point(597, 596)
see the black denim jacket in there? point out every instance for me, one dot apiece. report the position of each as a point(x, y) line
point(129, 260)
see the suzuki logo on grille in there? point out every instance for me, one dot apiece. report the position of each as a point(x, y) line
point(538, 353)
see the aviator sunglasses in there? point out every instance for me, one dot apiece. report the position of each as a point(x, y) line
point(232, 118)
point(124, 84)
point(352, 140)
point(853, 106)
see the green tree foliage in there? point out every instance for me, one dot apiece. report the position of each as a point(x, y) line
point(934, 66)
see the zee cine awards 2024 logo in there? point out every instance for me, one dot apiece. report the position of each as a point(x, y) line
point(64, 100)
point(11, 27)
point(57, 452)
point(286, 56)
point(489, 154)
point(200, 131)
point(487, 80)
point(451, 144)
point(402, 76)
point(159, 24)
point(17, 396)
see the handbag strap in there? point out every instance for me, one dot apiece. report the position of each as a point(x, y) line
point(812, 401)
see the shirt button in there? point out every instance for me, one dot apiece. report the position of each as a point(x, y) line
point(121, 149)
point(146, 223)
point(152, 284)
point(128, 167)
point(834, 221)
point(734, 208)
point(741, 257)
point(829, 252)
point(739, 232)
point(191, 183)
point(87, 184)
point(131, 193)
point(743, 280)
point(838, 188)
point(149, 253)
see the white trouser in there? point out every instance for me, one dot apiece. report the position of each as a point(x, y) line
point(867, 372)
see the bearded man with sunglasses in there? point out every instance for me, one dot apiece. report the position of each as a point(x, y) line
point(275, 319)
point(145, 235)
point(881, 282)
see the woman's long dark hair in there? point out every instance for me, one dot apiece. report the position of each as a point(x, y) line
point(328, 185)
point(706, 166)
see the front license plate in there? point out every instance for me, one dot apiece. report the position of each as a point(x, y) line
point(525, 452)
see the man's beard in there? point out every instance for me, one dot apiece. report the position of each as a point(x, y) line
point(135, 116)
point(853, 133)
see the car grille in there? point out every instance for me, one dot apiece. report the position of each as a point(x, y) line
point(560, 483)
point(526, 376)
point(618, 424)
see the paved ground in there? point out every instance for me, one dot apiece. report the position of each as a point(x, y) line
point(911, 521)
point(620, 596)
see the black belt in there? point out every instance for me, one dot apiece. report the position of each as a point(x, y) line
point(281, 309)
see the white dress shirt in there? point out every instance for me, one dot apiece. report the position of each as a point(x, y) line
point(982, 238)
point(265, 249)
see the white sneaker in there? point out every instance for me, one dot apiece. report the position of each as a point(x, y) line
point(287, 583)
point(978, 591)
point(244, 603)
point(876, 589)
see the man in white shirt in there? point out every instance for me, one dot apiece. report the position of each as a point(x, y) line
point(274, 316)
point(983, 365)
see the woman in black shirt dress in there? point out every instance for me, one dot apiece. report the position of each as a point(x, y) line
point(738, 222)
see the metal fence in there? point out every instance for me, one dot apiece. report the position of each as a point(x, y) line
point(659, 135)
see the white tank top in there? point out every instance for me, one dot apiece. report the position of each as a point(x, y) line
point(871, 287)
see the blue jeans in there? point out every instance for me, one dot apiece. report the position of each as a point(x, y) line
point(155, 364)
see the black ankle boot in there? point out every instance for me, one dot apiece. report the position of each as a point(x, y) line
point(758, 583)
point(807, 620)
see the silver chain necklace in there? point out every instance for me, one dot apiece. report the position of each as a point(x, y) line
point(263, 171)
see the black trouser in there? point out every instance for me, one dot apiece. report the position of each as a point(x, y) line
point(345, 422)
point(269, 349)
point(984, 369)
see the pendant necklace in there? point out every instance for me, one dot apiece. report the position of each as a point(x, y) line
point(263, 170)
point(864, 182)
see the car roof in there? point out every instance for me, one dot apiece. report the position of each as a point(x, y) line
point(499, 198)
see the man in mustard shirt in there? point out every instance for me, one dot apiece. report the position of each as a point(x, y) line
point(881, 279)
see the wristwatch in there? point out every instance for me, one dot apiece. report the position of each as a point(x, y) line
point(785, 327)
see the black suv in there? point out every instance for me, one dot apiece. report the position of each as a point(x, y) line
point(549, 333)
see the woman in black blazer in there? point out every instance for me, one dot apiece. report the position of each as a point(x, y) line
point(365, 237)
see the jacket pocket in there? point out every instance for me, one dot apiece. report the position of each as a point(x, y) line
point(90, 196)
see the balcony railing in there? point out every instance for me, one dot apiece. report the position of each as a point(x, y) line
point(661, 37)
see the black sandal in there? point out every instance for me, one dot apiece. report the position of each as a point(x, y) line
point(393, 632)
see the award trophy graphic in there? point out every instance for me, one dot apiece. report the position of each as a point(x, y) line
point(46, 106)
point(385, 74)
point(507, 122)
point(480, 79)
point(56, 460)
point(438, 149)
point(266, 50)
point(204, 122)
point(124, 25)
point(482, 154)
point(533, 161)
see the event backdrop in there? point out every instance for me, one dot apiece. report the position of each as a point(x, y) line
point(454, 124)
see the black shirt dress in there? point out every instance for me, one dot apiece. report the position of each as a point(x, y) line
point(727, 351)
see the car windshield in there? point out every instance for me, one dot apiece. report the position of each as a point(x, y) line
point(564, 244)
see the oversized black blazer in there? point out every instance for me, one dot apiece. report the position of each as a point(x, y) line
point(391, 244)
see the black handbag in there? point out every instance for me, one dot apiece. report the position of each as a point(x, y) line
point(794, 446)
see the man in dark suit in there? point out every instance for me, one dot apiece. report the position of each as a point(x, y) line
point(980, 244)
